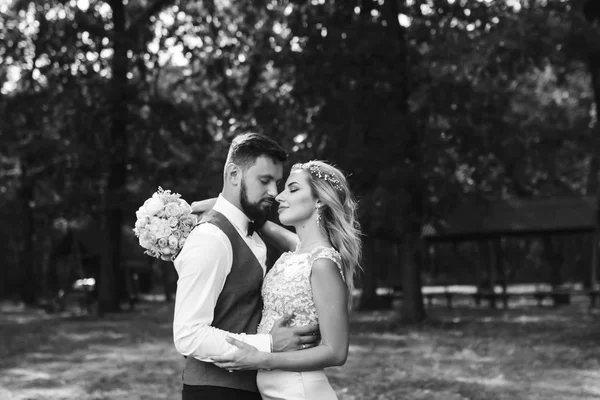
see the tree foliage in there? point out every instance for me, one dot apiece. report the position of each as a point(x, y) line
point(424, 102)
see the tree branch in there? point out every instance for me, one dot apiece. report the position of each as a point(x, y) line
point(254, 74)
point(144, 16)
point(219, 63)
point(87, 24)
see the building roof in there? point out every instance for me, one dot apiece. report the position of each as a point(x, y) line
point(516, 217)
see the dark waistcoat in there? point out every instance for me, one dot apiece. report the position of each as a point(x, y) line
point(238, 310)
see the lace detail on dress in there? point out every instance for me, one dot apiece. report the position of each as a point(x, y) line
point(329, 253)
point(286, 288)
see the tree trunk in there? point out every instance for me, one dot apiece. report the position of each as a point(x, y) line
point(28, 286)
point(489, 285)
point(413, 309)
point(551, 261)
point(501, 264)
point(591, 11)
point(368, 279)
point(112, 280)
point(166, 280)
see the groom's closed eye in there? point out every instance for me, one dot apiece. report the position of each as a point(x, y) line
point(266, 179)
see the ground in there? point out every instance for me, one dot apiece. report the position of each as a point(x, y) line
point(467, 353)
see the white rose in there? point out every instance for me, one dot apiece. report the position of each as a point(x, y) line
point(141, 223)
point(153, 225)
point(153, 205)
point(162, 242)
point(173, 242)
point(161, 229)
point(148, 239)
point(173, 221)
point(187, 222)
point(172, 210)
point(141, 213)
point(146, 244)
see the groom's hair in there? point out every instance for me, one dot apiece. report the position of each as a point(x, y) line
point(246, 148)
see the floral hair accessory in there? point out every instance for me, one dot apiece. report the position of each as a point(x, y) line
point(316, 172)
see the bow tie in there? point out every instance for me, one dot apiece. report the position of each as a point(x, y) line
point(251, 228)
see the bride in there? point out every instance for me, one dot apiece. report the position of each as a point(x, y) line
point(312, 280)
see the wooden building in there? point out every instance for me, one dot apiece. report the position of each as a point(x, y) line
point(486, 224)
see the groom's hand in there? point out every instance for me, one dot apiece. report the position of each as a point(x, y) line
point(245, 357)
point(292, 339)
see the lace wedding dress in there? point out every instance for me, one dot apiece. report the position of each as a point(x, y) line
point(287, 289)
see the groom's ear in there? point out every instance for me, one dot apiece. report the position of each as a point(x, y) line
point(233, 174)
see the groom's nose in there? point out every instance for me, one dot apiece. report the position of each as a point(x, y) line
point(272, 189)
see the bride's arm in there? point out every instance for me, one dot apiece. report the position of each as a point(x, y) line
point(276, 235)
point(279, 236)
point(202, 206)
point(330, 298)
point(331, 301)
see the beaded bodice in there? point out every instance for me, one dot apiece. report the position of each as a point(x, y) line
point(287, 289)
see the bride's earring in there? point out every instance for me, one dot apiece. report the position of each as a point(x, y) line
point(318, 216)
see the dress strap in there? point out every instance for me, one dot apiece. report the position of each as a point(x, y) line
point(329, 253)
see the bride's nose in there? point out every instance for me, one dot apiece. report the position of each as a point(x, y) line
point(279, 197)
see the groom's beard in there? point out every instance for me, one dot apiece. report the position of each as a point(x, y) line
point(258, 211)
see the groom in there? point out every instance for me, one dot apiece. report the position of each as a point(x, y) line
point(221, 268)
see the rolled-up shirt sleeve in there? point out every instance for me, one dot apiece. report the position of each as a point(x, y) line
point(202, 267)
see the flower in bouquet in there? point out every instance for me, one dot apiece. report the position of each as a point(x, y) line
point(163, 223)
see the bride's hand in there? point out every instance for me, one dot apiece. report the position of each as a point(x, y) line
point(202, 206)
point(246, 357)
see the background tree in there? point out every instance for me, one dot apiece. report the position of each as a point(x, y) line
point(426, 103)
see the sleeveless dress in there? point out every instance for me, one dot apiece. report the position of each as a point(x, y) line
point(287, 288)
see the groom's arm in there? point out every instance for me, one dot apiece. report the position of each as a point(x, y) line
point(202, 266)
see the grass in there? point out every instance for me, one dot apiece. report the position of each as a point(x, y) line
point(466, 353)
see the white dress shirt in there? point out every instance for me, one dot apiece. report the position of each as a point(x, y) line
point(203, 265)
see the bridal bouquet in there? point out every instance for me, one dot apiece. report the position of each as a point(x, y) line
point(163, 224)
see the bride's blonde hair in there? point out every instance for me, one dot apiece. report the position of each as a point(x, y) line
point(338, 215)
